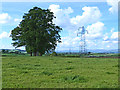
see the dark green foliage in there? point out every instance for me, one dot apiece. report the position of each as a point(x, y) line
point(76, 78)
point(116, 66)
point(24, 72)
point(54, 54)
point(89, 53)
point(69, 68)
point(47, 73)
point(4, 51)
point(37, 32)
point(37, 65)
point(69, 61)
point(110, 73)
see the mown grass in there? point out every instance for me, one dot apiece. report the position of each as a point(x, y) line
point(59, 72)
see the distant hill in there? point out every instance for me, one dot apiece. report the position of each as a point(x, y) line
point(104, 51)
point(14, 49)
point(93, 51)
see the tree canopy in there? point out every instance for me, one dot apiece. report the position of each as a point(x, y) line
point(37, 32)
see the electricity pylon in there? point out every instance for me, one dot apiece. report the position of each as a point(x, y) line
point(82, 31)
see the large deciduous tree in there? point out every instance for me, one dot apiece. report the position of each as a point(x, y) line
point(37, 32)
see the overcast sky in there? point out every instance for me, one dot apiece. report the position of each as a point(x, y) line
point(99, 18)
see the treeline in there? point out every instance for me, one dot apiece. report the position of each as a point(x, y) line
point(10, 51)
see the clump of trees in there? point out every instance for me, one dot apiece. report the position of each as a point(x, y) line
point(4, 51)
point(37, 32)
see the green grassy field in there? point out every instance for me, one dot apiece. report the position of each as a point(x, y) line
point(59, 72)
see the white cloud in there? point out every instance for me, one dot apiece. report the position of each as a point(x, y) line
point(69, 42)
point(105, 42)
point(115, 41)
point(114, 35)
point(105, 38)
point(56, 9)
point(4, 18)
point(113, 4)
point(108, 46)
point(62, 15)
point(4, 35)
point(111, 36)
point(112, 30)
point(96, 27)
point(95, 30)
point(17, 20)
point(89, 16)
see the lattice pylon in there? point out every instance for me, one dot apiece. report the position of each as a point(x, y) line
point(82, 48)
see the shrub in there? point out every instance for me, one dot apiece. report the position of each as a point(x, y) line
point(54, 54)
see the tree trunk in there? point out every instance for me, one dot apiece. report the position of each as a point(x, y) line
point(30, 53)
point(34, 53)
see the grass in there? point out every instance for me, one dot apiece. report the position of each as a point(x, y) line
point(59, 72)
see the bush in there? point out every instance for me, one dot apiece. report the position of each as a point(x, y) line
point(54, 54)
